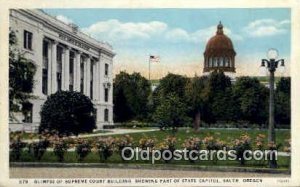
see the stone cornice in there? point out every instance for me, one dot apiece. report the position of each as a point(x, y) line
point(52, 24)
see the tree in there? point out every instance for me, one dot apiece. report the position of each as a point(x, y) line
point(68, 112)
point(252, 98)
point(219, 88)
point(131, 93)
point(197, 95)
point(21, 76)
point(171, 112)
point(283, 101)
point(171, 84)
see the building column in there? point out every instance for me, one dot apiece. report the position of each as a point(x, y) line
point(95, 80)
point(66, 69)
point(88, 76)
point(54, 67)
point(84, 76)
point(37, 90)
point(49, 68)
point(77, 75)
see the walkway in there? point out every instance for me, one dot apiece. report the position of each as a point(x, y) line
point(32, 172)
point(110, 133)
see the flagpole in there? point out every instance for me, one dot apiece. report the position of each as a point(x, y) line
point(149, 66)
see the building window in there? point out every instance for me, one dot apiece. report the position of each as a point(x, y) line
point(96, 116)
point(59, 67)
point(215, 62)
point(106, 69)
point(45, 68)
point(228, 62)
point(27, 40)
point(45, 53)
point(71, 72)
point(106, 111)
point(222, 62)
point(210, 63)
point(27, 112)
point(45, 81)
point(106, 95)
point(58, 76)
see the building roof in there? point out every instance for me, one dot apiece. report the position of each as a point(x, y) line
point(220, 44)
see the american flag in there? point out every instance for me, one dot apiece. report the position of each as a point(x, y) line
point(154, 58)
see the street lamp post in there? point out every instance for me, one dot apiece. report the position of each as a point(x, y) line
point(271, 64)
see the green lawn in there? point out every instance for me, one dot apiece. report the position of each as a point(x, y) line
point(29, 135)
point(226, 135)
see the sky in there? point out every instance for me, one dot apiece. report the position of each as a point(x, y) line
point(179, 36)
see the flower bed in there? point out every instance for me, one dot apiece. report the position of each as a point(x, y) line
point(109, 149)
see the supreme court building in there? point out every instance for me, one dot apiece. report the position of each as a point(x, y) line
point(66, 59)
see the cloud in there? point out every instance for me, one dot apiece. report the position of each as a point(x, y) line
point(64, 19)
point(177, 34)
point(266, 27)
point(201, 35)
point(114, 29)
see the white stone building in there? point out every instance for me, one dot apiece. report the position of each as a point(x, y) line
point(66, 59)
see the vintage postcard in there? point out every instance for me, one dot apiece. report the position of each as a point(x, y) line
point(150, 94)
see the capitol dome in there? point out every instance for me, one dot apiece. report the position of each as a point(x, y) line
point(219, 53)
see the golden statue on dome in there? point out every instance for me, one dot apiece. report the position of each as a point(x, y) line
point(219, 53)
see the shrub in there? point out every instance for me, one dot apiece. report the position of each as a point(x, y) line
point(242, 144)
point(145, 143)
point(68, 112)
point(167, 147)
point(39, 148)
point(211, 143)
point(83, 148)
point(192, 144)
point(123, 142)
point(105, 147)
point(59, 148)
point(260, 142)
point(287, 147)
point(16, 146)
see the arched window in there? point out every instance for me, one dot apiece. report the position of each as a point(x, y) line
point(27, 112)
point(223, 61)
point(210, 62)
point(106, 111)
point(227, 62)
point(215, 62)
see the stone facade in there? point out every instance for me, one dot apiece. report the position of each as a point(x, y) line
point(66, 59)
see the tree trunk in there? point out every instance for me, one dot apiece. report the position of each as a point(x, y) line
point(197, 121)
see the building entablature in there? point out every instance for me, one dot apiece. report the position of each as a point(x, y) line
point(59, 31)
